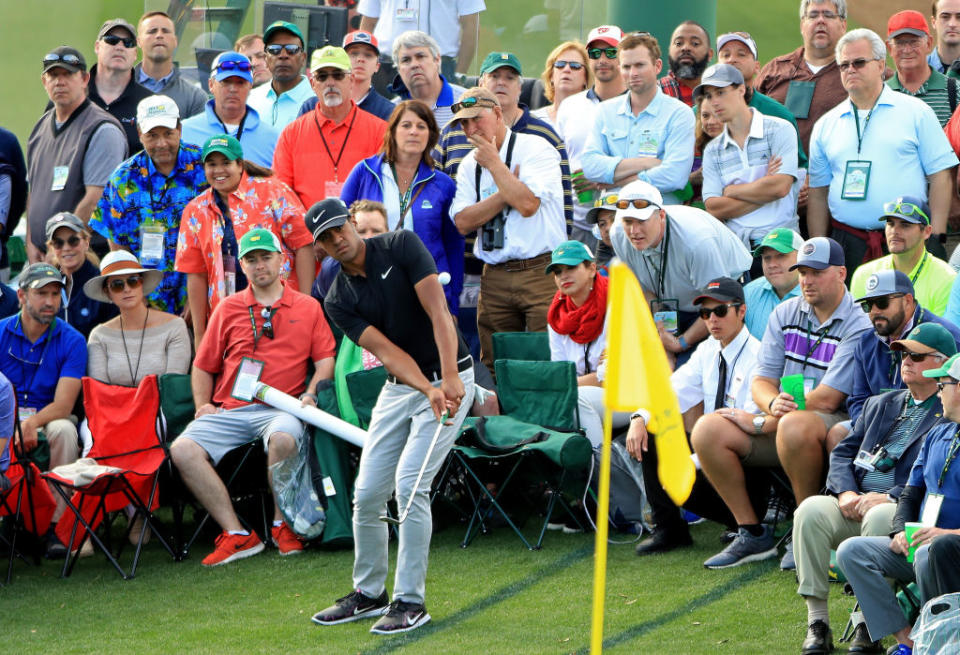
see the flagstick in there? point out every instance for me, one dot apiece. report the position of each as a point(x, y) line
point(600, 557)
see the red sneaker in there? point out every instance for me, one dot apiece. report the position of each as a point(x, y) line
point(287, 541)
point(232, 547)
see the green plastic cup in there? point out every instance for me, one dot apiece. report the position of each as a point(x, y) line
point(793, 385)
point(909, 529)
point(584, 197)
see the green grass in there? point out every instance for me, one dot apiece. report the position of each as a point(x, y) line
point(494, 597)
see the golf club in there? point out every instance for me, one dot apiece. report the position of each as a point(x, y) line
point(423, 467)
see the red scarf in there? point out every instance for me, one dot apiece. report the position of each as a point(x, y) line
point(584, 323)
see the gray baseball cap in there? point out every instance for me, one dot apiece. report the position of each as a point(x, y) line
point(39, 275)
point(887, 283)
point(819, 253)
point(718, 75)
point(64, 219)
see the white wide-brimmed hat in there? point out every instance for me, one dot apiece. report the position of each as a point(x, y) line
point(120, 262)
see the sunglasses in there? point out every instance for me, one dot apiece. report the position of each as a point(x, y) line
point(919, 357)
point(466, 103)
point(905, 209)
point(116, 284)
point(856, 64)
point(113, 39)
point(941, 385)
point(267, 314)
point(638, 203)
point(73, 60)
point(290, 48)
point(234, 66)
point(595, 53)
point(719, 310)
point(322, 76)
point(72, 241)
point(881, 302)
point(562, 63)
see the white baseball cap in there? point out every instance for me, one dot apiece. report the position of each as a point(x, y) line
point(638, 190)
point(155, 111)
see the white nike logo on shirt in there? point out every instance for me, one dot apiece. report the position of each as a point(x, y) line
point(383, 276)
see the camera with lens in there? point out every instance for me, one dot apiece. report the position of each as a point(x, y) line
point(491, 234)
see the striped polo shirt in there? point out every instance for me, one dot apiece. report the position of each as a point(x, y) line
point(934, 92)
point(797, 342)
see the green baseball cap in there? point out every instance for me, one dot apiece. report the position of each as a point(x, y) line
point(928, 338)
point(282, 25)
point(569, 253)
point(496, 60)
point(258, 239)
point(330, 56)
point(781, 239)
point(225, 144)
point(950, 368)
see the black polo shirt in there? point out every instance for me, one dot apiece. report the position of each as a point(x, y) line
point(124, 108)
point(385, 298)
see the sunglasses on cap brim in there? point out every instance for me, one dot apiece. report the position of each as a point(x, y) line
point(468, 103)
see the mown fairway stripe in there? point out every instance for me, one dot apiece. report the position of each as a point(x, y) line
point(483, 604)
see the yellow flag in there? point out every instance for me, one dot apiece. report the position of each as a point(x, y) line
point(638, 375)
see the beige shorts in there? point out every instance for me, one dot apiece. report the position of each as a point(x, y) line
point(763, 448)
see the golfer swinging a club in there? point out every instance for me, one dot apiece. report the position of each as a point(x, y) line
point(387, 298)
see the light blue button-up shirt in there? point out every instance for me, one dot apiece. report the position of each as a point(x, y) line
point(664, 129)
point(761, 299)
point(154, 85)
point(903, 141)
point(258, 139)
point(280, 110)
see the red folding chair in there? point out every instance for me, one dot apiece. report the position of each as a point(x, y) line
point(124, 423)
point(28, 502)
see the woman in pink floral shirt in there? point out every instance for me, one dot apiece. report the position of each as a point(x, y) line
point(207, 246)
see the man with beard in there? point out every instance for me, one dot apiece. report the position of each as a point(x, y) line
point(891, 304)
point(278, 103)
point(157, 38)
point(317, 151)
point(688, 56)
point(44, 358)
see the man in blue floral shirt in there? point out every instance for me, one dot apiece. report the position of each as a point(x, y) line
point(144, 198)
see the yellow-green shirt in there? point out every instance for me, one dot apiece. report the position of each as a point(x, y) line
point(932, 280)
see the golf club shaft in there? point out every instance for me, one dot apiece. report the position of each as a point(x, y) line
point(423, 467)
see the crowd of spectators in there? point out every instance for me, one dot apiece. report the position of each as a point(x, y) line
point(787, 223)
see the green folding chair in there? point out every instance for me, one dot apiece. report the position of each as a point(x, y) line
point(533, 346)
point(536, 438)
point(364, 388)
point(243, 469)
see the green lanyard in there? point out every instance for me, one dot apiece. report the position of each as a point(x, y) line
point(866, 121)
point(662, 269)
point(923, 262)
point(404, 197)
point(951, 455)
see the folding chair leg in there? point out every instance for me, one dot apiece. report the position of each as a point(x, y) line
point(90, 533)
point(469, 536)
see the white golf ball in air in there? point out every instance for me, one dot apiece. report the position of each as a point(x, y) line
point(444, 278)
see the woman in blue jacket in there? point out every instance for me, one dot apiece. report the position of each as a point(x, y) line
point(417, 197)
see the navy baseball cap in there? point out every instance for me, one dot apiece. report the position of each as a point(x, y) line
point(909, 208)
point(887, 283)
point(231, 64)
point(718, 75)
point(819, 253)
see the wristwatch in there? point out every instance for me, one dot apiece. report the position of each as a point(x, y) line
point(758, 422)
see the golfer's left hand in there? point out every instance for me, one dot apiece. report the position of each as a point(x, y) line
point(453, 392)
